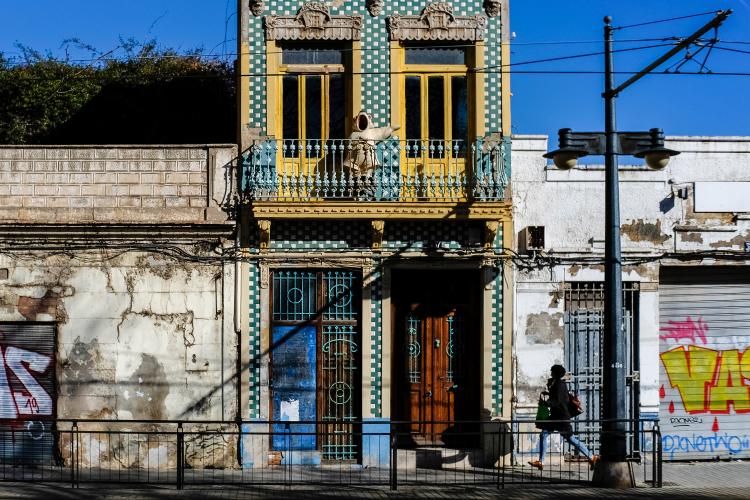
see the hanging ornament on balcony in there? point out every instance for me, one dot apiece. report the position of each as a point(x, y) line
point(361, 158)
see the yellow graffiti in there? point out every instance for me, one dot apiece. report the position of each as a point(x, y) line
point(709, 380)
point(691, 371)
point(728, 386)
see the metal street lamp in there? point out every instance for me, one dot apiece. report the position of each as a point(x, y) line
point(613, 469)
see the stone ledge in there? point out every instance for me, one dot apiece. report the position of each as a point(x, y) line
point(497, 210)
point(193, 215)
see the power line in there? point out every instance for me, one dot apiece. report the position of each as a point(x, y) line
point(199, 55)
point(667, 20)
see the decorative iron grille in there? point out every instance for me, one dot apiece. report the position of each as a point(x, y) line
point(584, 327)
point(329, 301)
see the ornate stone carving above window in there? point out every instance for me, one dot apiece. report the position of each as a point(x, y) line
point(313, 21)
point(437, 22)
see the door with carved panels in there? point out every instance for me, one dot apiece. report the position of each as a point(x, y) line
point(437, 354)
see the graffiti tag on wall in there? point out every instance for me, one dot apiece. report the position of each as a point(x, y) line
point(32, 399)
point(27, 392)
point(705, 390)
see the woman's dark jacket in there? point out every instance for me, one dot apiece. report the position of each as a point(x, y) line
point(558, 404)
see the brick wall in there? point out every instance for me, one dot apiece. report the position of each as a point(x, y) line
point(114, 183)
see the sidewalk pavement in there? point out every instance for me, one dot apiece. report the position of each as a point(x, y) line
point(726, 480)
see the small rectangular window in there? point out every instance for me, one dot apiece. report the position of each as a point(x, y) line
point(312, 53)
point(435, 55)
point(436, 107)
point(413, 104)
point(336, 106)
point(290, 107)
point(459, 114)
point(313, 119)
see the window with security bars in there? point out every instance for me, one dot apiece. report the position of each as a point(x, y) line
point(327, 301)
point(584, 327)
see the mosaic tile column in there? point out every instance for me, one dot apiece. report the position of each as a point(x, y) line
point(493, 77)
point(497, 330)
point(253, 369)
point(376, 336)
point(376, 63)
point(257, 76)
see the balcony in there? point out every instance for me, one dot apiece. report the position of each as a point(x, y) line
point(403, 171)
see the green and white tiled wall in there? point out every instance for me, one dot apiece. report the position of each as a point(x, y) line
point(375, 57)
point(254, 342)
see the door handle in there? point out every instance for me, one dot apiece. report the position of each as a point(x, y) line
point(428, 394)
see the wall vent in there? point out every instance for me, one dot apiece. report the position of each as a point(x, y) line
point(532, 239)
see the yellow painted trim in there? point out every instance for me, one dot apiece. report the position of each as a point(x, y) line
point(486, 210)
point(273, 89)
point(244, 91)
point(478, 88)
point(505, 91)
point(397, 82)
point(356, 79)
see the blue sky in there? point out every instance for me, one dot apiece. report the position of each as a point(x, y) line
point(681, 105)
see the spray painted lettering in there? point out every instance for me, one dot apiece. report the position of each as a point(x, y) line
point(33, 399)
point(688, 329)
point(708, 380)
point(696, 443)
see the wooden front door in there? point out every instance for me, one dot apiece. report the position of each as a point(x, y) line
point(437, 358)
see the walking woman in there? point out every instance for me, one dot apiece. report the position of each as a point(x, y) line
point(559, 421)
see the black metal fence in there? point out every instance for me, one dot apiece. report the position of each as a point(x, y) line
point(389, 454)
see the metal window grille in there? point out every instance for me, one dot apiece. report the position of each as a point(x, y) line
point(329, 301)
point(584, 327)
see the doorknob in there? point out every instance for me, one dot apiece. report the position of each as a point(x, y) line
point(428, 394)
point(437, 342)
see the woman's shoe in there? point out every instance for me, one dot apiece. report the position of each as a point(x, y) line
point(592, 461)
point(537, 464)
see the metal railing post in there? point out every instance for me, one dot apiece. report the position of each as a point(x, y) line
point(394, 460)
point(180, 457)
point(73, 451)
point(659, 457)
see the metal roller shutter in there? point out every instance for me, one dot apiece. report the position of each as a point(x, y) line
point(704, 335)
point(28, 396)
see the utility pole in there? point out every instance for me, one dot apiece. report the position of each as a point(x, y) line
point(613, 469)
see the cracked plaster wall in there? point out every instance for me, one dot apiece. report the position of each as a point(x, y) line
point(128, 328)
point(570, 206)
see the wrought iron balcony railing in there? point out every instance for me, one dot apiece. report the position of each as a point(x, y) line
point(391, 170)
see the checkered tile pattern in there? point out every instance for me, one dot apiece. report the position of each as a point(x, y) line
point(258, 74)
point(493, 77)
point(376, 80)
point(417, 235)
point(497, 337)
point(254, 341)
point(375, 92)
point(376, 336)
point(317, 235)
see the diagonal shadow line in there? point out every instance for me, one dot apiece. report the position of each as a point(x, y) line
point(255, 362)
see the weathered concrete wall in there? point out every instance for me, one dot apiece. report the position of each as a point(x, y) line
point(655, 220)
point(114, 183)
point(144, 310)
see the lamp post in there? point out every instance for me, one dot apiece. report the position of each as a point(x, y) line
point(613, 468)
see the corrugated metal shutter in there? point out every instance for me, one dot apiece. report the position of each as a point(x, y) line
point(704, 334)
point(28, 396)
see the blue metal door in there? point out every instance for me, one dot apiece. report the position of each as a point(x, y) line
point(294, 387)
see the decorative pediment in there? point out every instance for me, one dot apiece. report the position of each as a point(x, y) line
point(313, 21)
point(437, 22)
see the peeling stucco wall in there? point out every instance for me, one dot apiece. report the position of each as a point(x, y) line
point(657, 216)
point(128, 328)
